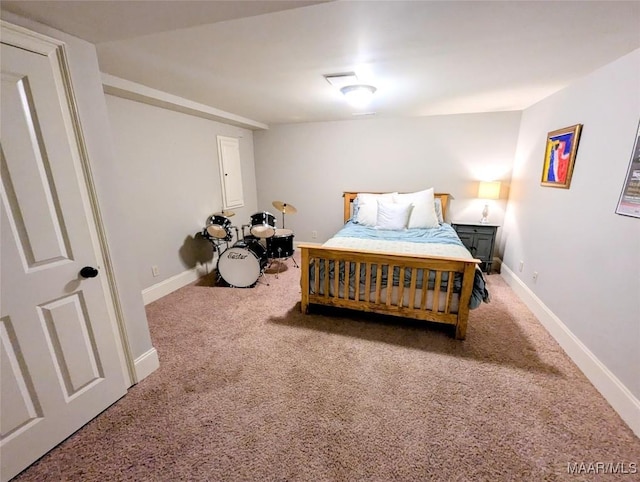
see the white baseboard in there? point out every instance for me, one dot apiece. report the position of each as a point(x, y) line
point(146, 364)
point(158, 290)
point(611, 388)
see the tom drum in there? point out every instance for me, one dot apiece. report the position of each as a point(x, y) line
point(219, 227)
point(280, 245)
point(263, 225)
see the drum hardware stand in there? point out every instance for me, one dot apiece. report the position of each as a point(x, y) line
point(243, 234)
point(263, 275)
point(282, 260)
point(216, 243)
point(284, 208)
point(289, 257)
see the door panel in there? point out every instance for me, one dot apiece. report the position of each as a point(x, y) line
point(19, 402)
point(26, 174)
point(71, 344)
point(231, 172)
point(61, 361)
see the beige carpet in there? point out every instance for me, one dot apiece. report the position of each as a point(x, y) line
point(249, 389)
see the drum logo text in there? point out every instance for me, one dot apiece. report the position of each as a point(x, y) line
point(236, 256)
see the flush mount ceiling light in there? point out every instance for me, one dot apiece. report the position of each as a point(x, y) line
point(358, 95)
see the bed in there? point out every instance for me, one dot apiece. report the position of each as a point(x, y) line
point(422, 274)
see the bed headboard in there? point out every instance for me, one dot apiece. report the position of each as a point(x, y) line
point(350, 196)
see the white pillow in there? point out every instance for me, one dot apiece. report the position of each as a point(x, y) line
point(393, 215)
point(368, 207)
point(423, 214)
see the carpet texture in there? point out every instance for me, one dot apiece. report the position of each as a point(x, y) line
point(249, 389)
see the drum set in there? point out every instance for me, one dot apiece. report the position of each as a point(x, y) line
point(243, 262)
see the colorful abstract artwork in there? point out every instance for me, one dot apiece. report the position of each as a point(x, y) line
point(560, 156)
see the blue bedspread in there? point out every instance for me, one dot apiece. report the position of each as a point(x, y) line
point(444, 234)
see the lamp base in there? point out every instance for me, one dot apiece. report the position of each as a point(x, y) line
point(485, 215)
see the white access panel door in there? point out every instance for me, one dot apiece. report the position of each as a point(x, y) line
point(230, 172)
point(61, 362)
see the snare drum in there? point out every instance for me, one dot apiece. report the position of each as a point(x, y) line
point(263, 225)
point(281, 244)
point(219, 227)
point(242, 264)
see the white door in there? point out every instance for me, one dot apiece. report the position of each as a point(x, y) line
point(61, 361)
point(230, 172)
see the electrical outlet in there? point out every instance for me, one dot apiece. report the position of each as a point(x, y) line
point(521, 267)
point(314, 234)
point(155, 271)
point(535, 276)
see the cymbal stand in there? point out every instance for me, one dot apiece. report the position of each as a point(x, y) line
point(244, 235)
point(218, 243)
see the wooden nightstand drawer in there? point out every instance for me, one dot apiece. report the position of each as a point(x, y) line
point(475, 229)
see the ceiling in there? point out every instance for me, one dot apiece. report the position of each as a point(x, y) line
point(265, 60)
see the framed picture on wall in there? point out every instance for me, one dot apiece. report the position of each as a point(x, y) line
point(629, 202)
point(560, 156)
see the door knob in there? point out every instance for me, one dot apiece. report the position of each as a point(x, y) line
point(88, 272)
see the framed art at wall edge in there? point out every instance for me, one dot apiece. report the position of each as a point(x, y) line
point(560, 156)
point(629, 202)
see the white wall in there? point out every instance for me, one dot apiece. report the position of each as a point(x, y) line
point(310, 165)
point(169, 179)
point(587, 257)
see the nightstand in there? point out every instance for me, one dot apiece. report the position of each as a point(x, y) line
point(479, 239)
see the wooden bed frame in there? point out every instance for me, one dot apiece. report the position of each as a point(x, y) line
point(372, 302)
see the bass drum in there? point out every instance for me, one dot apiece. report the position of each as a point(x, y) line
point(241, 265)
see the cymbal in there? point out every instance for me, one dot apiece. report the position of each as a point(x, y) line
point(284, 208)
point(226, 214)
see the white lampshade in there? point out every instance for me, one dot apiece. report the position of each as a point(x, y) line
point(358, 95)
point(489, 190)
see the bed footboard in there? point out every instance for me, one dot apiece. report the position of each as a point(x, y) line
point(354, 279)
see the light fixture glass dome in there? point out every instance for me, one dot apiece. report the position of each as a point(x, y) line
point(359, 95)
